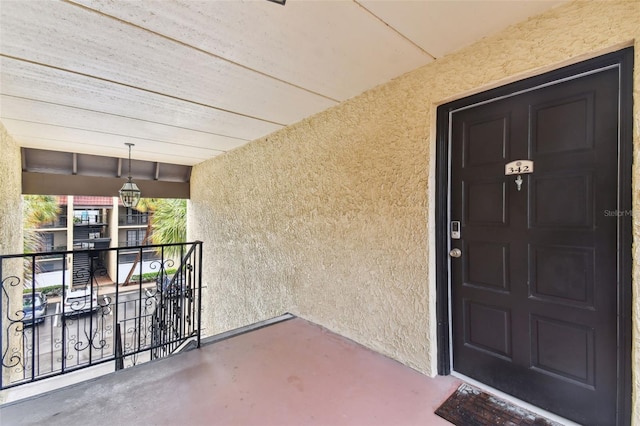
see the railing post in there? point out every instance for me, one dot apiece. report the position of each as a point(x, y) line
point(2, 324)
point(116, 314)
point(199, 269)
point(33, 319)
point(63, 317)
point(118, 349)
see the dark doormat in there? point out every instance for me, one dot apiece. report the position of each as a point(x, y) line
point(469, 406)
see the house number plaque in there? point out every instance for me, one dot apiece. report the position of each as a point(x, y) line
point(518, 167)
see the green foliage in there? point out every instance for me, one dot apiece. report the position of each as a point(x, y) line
point(37, 210)
point(169, 223)
point(152, 276)
point(52, 290)
point(146, 205)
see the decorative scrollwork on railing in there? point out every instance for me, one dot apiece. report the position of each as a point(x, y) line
point(161, 264)
point(89, 275)
point(12, 323)
point(87, 328)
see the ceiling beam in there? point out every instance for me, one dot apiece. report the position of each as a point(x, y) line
point(55, 184)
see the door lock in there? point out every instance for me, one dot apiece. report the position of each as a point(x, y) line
point(455, 230)
point(456, 252)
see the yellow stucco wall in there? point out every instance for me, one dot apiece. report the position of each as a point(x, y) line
point(331, 218)
point(10, 235)
point(10, 191)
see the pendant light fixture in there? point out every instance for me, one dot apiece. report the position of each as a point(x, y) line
point(130, 194)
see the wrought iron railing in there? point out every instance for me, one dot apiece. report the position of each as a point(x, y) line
point(91, 320)
point(133, 219)
point(90, 219)
point(132, 244)
point(59, 222)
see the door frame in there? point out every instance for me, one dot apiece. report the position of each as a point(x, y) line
point(622, 58)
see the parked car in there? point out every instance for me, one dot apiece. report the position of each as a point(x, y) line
point(34, 306)
point(80, 301)
point(171, 287)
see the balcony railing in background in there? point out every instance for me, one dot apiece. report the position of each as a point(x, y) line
point(48, 249)
point(89, 219)
point(133, 220)
point(132, 244)
point(60, 222)
point(91, 320)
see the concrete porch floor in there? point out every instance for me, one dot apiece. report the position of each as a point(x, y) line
point(289, 373)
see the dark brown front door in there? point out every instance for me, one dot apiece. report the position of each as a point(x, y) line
point(534, 292)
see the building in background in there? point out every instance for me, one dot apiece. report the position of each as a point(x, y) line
point(87, 222)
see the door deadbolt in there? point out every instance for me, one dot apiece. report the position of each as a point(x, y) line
point(456, 252)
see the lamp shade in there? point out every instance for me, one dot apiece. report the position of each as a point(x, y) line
point(130, 194)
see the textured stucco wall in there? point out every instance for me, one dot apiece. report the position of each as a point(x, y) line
point(10, 195)
point(331, 218)
point(10, 231)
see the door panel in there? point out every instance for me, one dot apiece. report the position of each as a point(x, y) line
point(534, 294)
point(479, 254)
point(572, 198)
point(560, 274)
